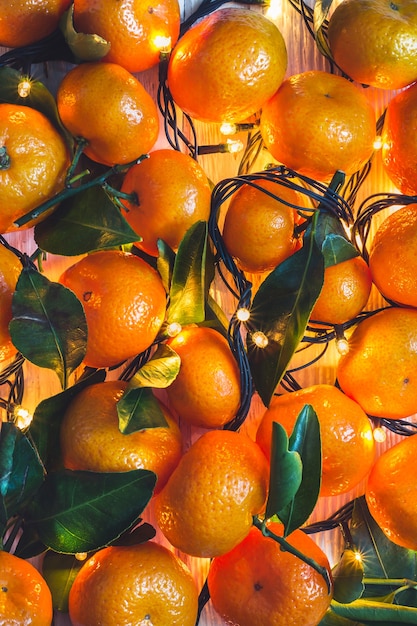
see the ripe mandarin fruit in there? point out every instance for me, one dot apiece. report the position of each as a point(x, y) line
point(393, 256)
point(137, 585)
point(207, 505)
point(131, 27)
point(345, 292)
point(107, 106)
point(167, 206)
point(399, 151)
point(24, 595)
point(33, 162)
point(10, 268)
point(124, 303)
point(345, 429)
point(378, 370)
point(23, 22)
point(258, 229)
point(205, 73)
point(374, 41)
point(258, 583)
point(391, 492)
point(206, 391)
point(297, 132)
point(91, 439)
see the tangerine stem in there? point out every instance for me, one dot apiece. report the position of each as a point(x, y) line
point(261, 525)
point(68, 192)
point(78, 152)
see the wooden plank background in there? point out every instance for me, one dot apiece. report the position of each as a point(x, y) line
point(303, 55)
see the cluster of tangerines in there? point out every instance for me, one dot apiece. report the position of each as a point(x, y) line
point(209, 499)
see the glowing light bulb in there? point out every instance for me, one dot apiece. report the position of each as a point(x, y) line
point(342, 346)
point(379, 434)
point(173, 329)
point(234, 146)
point(24, 87)
point(163, 44)
point(228, 129)
point(243, 314)
point(358, 556)
point(81, 556)
point(274, 10)
point(22, 417)
point(378, 143)
point(260, 339)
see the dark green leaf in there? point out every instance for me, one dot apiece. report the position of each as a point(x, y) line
point(373, 612)
point(337, 249)
point(21, 471)
point(85, 222)
point(285, 472)
point(187, 292)
point(331, 619)
point(305, 440)
point(29, 544)
point(281, 309)
point(84, 511)
point(47, 418)
point(348, 578)
point(384, 559)
point(138, 409)
point(165, 263)
point(48, 325)
point(139, 534)
point(59, 571)
point(327, 224)
point(160, 371)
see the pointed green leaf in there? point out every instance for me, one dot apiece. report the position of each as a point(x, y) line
point(160, 371)
point(79, 511)
point(348, 578)
point(29, 544)
point(337, 249)
point(305, 440)
point(21, 471)
point(48, 325)
point(138, 409)
point(139, 534)
point(165, 263)
point(59, 571)
point(285, 472)
point(84, 46)
point(331, 619)
point(378, 613)
point(47, 418)
point(281, 309)
point(187, 292)
point(85, 222)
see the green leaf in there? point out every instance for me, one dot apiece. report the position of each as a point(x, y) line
point(138, 409)
point(331, 619)
point(159, 372)
point(83, 223)
point(84, 46)
point(285, 472)
point(187, 291)
point(305, 440)
point(29, 544)
point(281, 309)
point(383, 559)
point(337, 249)
point(47, 418)
point(48, 325)
point(79, 511)
point(165, 263)
point(21, 471)
point(373, 612)
point(139, 534)
point(348, 578)
point(59, 571)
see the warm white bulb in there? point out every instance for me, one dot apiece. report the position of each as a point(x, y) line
point(22, 417)
point(23, 88)
point(358, 557)
point(342, 346)
point(243, 314)
point(163, 44)
point(379, 434)
point(274, 10)
point(378, 143)
point(228, 129)
point(260, 339)
point(234, 146)
point(174, 329)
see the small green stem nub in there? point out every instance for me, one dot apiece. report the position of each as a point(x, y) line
point(4, 159)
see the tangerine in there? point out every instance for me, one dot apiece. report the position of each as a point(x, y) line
point(399, 152)
point(296, 129)
point(25, 597)
point(374, 41)
point(10, 268)
point(206, 391)
point(207, 505)
point(131, 27)
point(391, 493)
point(141, 584)
point(393, 256)
point(259, 230)
point(345, 292)
point(124, 302)
point(345, 430)
point(33, 162)
point(167, 206)
point(384, 386)
point(258, 583)
point(105, 105)
point(23, 22)
point(91, 439)
point(226, 66)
